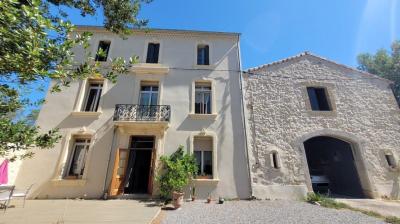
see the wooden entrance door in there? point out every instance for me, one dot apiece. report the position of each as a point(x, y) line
point(151, 174)
point(119, 172)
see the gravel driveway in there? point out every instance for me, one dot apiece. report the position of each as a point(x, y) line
point(262, 212)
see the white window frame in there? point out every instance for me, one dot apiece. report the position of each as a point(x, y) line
point(201, 171)
point(82, 95)
point(213, 136)
point(86, 144)
point(97, 99)
point(152, 84)
point(192, 110)
point(203, 88)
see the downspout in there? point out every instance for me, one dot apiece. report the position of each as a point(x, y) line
point(105, 193)
point(243, 115)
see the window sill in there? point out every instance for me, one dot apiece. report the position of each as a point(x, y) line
point(150, 68)
point(203, 116)
point(68, 182)
point(330, 113)
point(205, 181)
point(85, 114)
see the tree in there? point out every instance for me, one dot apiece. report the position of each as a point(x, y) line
point(385, 64)
point(35, 45)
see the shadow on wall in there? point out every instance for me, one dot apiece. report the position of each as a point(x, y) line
point(240, 162)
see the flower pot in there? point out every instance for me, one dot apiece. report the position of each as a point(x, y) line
point(208, 200)
point(193, 198)
point(177, 199)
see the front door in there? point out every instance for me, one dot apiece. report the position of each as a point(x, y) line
point(139, 172)
point(118, 179)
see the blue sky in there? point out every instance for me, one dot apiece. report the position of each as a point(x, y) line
point(275, 29)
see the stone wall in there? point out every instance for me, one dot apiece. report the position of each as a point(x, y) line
point(279, 119)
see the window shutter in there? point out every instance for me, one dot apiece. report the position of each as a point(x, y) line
point(152, 53)
point(156, 51)
point(206, 52)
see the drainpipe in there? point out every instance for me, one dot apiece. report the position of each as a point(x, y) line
point(243, 114)
point(105, 193)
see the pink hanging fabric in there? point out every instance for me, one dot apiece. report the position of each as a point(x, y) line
point(4, 172)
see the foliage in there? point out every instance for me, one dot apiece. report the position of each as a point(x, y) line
point(177, 170)
point(327, 202)
point(324, 201)
point(37, 43)
point(385, 64)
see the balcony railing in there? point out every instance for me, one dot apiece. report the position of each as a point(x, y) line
point(135, 112)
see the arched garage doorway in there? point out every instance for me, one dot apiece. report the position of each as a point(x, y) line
point(332, 167)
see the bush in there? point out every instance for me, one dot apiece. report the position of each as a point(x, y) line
point(177, 170)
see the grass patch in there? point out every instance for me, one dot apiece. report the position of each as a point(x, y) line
point(325, 201)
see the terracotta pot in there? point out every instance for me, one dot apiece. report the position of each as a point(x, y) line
point(177, 199)
point(193, 198)
point(209, 200)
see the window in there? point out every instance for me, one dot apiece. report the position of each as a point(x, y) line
point(318, 99)
point(148, 93)
point(148, 101)
point(102, 51)
point(78, 158)
point(275, 160)
point(391, 160)
point(93, 95)
point(204, 156)
point(152, 53)
point(202, 98)
point(203, 147)
point(203, 55)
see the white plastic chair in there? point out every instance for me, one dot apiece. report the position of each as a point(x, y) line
point(22, 194)
point(5, 196)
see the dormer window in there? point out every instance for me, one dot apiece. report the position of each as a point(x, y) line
point(152, 53)
point(102, 50)
point(203, 54)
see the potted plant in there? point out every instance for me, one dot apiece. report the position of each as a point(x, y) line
point(209, 198)
point(194, 193)
point(177, 170)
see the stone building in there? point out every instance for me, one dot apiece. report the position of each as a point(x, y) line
point(313, 124)
point(185, 91)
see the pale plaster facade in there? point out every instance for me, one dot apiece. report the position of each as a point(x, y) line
point(279, 119)
point(175, 74)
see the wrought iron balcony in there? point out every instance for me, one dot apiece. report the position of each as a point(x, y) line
point(135, 112)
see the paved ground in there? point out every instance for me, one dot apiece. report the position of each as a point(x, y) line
point(260, 212)
point(387, 208)
point(80, 211)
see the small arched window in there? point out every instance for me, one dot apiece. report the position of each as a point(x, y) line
point(275, 160)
